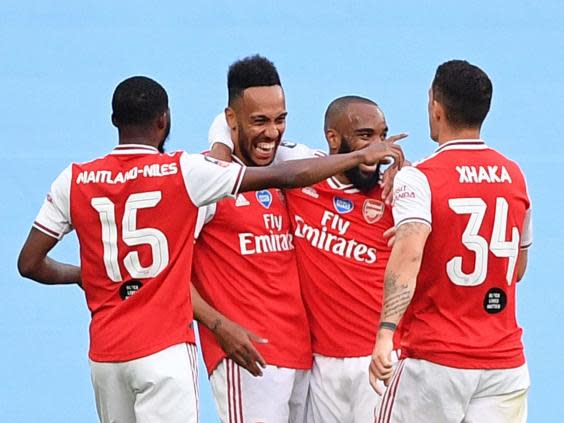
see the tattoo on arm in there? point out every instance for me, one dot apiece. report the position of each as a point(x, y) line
point(397, 297)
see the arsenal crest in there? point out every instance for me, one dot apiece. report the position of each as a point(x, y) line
point(372, 210)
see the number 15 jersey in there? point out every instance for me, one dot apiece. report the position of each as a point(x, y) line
point(134, 212)
point(463, 310)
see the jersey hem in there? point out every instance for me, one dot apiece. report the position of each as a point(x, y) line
point(345, 353)
point(118, 358)
point(460, 362)
point(296, 365)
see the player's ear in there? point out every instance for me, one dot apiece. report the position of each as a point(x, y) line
point(114, 120)
point(437, 110)
point(162, 120)
point(334, 140)
point(231, 118)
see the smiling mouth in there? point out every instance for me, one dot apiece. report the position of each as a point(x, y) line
point(265, 147)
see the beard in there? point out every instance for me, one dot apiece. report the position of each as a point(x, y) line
point(362, 181)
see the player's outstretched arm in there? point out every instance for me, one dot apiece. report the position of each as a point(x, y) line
point(235, 340)
point(298, 173)
point(399, 286)
point(522, 263)
point(33, 262)
point(221, 152)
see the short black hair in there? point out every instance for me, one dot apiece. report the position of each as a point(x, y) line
point(252, 71)
point(340, 105)
point(464, 90)
point(138, 101)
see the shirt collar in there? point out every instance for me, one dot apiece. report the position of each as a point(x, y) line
point(134, 149)
point(334, 183)
point(463, 144)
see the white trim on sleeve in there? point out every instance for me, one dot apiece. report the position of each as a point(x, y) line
point(54, 218)
point(205, 215)
point(208, 180)
point(412, 197)
point(527, 235)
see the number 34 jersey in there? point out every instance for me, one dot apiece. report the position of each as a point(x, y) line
point(134, 212)
point(476, 202)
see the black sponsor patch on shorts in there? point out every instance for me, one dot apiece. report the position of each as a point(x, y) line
point(127, 289)
point(495, 300)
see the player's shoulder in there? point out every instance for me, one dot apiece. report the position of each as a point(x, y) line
point(288, 150)
point(504, 158)
point(409, 173)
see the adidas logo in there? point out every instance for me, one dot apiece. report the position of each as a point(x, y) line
point(310, 191)
point(241, 201)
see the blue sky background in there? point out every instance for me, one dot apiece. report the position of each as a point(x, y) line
point(60, 61)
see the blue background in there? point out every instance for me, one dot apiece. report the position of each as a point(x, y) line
point(60, 62)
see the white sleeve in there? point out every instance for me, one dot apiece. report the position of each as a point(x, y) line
point(291, 151)
point(412, 197)
point(208, 180)
point(527, 235)
point(219, 132)
point(205, 214)
point(53, 218)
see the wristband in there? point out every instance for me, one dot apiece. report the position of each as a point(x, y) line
point(387, 325)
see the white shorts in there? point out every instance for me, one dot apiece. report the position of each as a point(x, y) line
point(421, 391)
point(159, 388)
point(278, 396)
point(340, 391)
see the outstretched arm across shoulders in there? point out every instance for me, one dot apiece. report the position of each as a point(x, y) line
point(298, 173)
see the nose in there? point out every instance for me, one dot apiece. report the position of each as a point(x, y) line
point(271, 131)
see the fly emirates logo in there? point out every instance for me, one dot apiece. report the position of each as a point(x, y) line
point(267, 243)
point(109, 177)
point(331, 238)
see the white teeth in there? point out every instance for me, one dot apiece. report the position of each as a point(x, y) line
point(266, 147)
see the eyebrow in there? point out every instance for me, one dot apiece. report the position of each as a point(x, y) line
point(263, 116)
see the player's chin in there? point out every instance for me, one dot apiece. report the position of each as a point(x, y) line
point(262, 159)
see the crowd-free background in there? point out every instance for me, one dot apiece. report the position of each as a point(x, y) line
point(61, 60)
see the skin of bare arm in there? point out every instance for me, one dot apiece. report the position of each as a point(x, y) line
point(235, 340)
point(522, 264)
point(34, 264)
point(298, 173)
point(399, 286)
point(221, 152)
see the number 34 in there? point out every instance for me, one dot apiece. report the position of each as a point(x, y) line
point(476, 208)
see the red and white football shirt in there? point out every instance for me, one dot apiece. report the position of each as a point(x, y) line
point(342, 255)
point(134, 212)
point(245, 267)
point(463, 310)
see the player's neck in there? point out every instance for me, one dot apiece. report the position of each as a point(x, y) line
point(134, 135)
point(342, 178)
point(449, 134)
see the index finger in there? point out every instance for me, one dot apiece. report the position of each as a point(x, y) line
point(392, 139)
point(255, 355)
point(374, 381)
point(389, 232)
